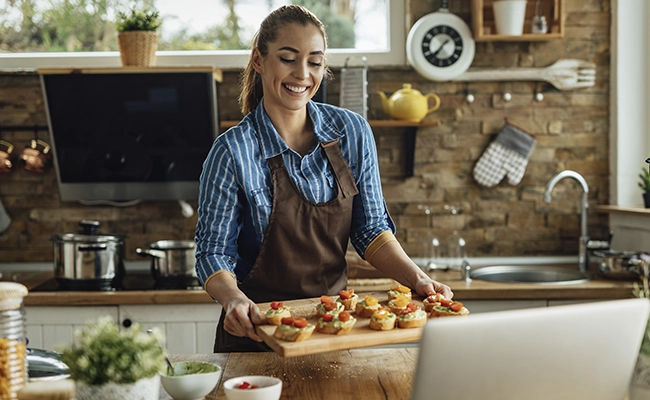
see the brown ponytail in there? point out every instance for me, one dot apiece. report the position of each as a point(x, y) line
point(250, 80)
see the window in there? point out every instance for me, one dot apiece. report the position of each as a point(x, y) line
point(194, 32)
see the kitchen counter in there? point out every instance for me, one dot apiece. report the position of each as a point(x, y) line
point(476, 290)
point(361, 374)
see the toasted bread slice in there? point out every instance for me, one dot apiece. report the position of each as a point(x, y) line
point(383, 320)
point(293, 334)
point(416, 319)
point(349, 304)
point(442, 311)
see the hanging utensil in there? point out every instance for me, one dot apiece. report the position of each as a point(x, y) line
point(564, 74)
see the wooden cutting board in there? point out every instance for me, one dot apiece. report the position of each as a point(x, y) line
point(360, 336)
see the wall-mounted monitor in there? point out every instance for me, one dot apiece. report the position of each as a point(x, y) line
point(128, 134)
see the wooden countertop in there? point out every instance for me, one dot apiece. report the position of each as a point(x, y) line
point(476, 290)
point(362, 374)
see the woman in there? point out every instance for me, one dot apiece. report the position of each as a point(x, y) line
point(283, 191)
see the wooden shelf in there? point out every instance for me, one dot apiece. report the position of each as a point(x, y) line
point(410, 132)
point(374, 123)
point(485, 29)
point(623, 210)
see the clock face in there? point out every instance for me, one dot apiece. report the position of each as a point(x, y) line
point(440, 46)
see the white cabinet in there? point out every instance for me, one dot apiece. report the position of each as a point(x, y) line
point(481, 306)
point(188, 328)
point(50, 328)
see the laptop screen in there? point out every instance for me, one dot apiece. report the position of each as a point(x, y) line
point(582, 351)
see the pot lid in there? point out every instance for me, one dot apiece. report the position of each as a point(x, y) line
point(173, 245)
point(88, 234)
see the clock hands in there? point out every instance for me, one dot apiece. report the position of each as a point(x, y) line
point(435, 53)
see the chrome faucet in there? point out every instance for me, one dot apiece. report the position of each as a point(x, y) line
point(583, 259)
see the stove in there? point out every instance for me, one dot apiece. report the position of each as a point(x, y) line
point(131, 281)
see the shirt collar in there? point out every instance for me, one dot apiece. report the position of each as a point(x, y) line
point(271, 144)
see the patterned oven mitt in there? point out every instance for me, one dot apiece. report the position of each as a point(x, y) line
point(507, 154)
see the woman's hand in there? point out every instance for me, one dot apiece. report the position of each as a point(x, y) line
point(241, 317)
point(425, 287)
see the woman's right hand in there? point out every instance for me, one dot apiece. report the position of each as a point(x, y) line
point(241, 316)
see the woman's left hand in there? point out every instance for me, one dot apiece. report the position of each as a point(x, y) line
point(425, 287)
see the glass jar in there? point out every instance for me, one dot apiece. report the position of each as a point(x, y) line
point(13, 365)
point(453, 248)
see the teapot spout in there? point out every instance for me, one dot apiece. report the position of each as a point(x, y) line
point(384, 102)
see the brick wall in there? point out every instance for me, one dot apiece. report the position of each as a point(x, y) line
point(571, 129)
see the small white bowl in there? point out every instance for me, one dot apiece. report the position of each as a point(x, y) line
point(268, 388)
point(185, 385)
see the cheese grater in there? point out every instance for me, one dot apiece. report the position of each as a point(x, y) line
point(354, 87)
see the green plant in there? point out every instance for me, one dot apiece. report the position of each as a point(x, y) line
point(103, 353)
point(645, 180)
point(138, 20)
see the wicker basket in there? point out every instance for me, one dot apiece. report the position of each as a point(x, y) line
point(138, 48)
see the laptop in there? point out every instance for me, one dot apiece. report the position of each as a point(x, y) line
point(582, 351)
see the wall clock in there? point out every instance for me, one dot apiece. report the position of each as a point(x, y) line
point(440, 45)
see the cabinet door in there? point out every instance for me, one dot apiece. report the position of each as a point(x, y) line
point(188, 328)
point(50, 328)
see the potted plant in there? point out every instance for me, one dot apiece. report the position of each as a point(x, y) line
point(644, 184)
point(109, 363)
point(137, 37)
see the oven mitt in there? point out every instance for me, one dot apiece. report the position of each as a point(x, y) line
point(508, 155)
point(4, 219)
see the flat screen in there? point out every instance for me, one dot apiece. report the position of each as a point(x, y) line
point(130, 136)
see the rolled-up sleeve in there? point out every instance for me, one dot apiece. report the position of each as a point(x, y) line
point(370, 215)
point(218, 213)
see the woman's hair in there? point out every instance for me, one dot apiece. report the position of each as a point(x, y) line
point(250, 80)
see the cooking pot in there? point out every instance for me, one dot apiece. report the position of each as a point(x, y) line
point(618, 264)
point(172, 263)
point(88, 260)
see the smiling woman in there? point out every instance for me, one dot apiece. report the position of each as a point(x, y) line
point(215, 32)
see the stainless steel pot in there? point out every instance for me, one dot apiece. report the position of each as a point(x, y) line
point(172, 262)
point(618, 265)
point(88, 260)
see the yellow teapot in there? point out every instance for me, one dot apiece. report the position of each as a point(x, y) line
point(408, 104)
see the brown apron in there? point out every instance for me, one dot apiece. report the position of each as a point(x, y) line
point(303, 251)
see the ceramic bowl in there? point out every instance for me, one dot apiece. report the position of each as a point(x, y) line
point(268, 388)
point(187, 384)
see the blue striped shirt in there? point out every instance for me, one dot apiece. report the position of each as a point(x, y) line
point(236, 189)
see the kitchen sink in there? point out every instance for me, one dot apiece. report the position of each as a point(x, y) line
point(542, 275)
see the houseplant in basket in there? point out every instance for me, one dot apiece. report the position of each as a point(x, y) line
point(137, 37)
point(644, 184)
point(109, 363)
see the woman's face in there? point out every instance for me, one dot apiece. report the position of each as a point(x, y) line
point(293, 69)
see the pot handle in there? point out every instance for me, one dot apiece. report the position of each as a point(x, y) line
point(92, 247)
point(150, 252)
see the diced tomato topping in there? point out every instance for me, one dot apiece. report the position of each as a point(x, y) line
point(410, 307)
point(300, 322)
point(371, 301)
point(287, 321)
point(346, 294)
point(326, 299)
point(401, 301)
point(456, 306)
point(344, 316)
point(329, 306)
point(431, 298)
point(445, 302)
point(276, 305)
point(328, 318)
point(254, 387)
point(401, 289)
point(244, 385)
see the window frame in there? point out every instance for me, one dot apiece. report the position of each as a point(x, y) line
point(225, 59)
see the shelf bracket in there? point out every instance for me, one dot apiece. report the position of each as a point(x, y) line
point(410, 133)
